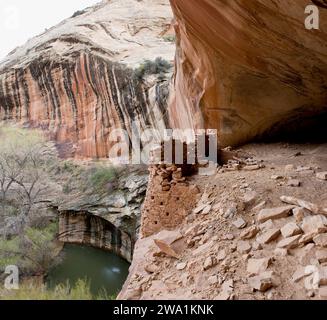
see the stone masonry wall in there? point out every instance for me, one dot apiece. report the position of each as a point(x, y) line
point(169, 199)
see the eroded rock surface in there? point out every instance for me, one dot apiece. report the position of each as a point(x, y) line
point(84, 228)
point(121, 205)
point(247, 68)
point(77, 79)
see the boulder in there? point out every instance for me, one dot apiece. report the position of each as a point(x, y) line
point(314, 224)
point(240, 223)
point(230, 212)
point(213, 280)
point(262, 282)
point(116, 201)
point(209, 262)
point(249, 198)
point(228, 286)
point(166, 248)
point(268, 236)
point(276, 177)
point(322, 276)
point(151, 268)
point(291, 229)
point(274, 213)
point(221, 255)
point(300, 213)
point(206, 210)
point(244, 247)
point(256, 246)
point(249, 233)
point(266, 225)
point(289, 243)
point(301, 203)
point(306, 238)
point(200, 208)
point(257, 266)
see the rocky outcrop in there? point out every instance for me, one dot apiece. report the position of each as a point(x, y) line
point(78, 79)
point(120, 205)
point(83, 228)
point(248, 68)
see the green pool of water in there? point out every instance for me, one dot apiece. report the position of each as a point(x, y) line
point(102, 269)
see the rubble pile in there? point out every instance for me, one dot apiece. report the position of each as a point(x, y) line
point(247, 234)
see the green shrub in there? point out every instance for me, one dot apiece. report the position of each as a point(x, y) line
point(34, 253)
point(158, 66)
point(69, 167)
point(101, 176)
point(170, 38)
point(80, 291)
point(8, 253)
point(41, 235)
point(66, 189)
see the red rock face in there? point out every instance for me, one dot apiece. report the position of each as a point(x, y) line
point(77, 80)
point(247, 67)
point(78, 102)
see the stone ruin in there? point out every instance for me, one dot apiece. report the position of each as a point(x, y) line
point(170, 197)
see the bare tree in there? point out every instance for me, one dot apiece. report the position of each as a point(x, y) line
point(24, 161)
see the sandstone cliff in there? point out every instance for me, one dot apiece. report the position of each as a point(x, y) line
point(247, 68)
point(77, 79)
point(86, 229)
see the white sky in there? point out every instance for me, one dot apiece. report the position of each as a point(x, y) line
point(24, 19)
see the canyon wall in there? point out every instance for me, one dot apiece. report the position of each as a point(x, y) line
point(248, 68)
point(79, 80)
point(83, 228)
point(120, 202)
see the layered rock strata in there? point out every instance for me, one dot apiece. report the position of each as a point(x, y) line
point(83, 228)
point(79, 80)
point(120, 205)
